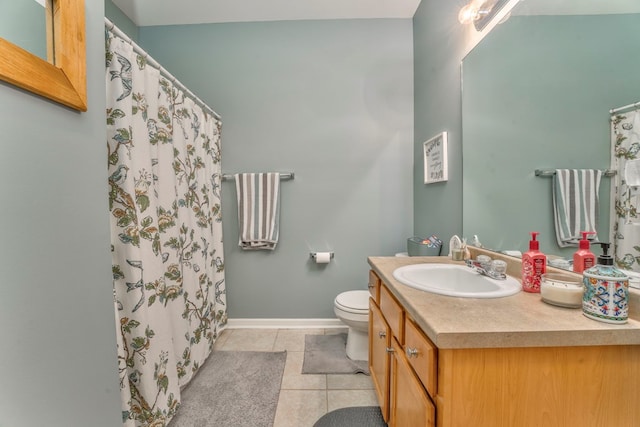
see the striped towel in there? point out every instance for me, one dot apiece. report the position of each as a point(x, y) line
point(575, 204)
point(258, 210)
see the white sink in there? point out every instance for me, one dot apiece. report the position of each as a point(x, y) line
point(455, 281)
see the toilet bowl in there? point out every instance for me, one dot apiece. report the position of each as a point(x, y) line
point(352, 308)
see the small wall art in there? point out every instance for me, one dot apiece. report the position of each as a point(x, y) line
point(435, 159)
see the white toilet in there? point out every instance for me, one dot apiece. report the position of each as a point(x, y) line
point(352, 307)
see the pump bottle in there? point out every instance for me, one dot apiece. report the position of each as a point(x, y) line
point(606, 291)
point(583, 259)
point(534, 265)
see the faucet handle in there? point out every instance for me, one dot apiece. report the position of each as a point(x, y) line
point(499, 266)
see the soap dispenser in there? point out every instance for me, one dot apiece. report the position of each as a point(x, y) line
point(534, 265)
point(583, 259)
point(606, 291)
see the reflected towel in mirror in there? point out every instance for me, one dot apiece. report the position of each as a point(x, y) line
point(575, 204)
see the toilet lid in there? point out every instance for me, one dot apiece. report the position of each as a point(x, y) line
point(355, 300)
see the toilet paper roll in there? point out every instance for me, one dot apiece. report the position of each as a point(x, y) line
point(323, 257)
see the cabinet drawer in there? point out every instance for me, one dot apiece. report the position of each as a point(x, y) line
point(393, 313)
point(374, 286)
point(422, 355)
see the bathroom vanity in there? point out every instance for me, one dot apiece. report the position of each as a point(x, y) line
point(500, 362)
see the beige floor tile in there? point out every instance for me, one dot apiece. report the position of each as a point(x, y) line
point(300, 408)
point(303, 398)
point(337, 399)
point(294, 379)
point(349, 382)
point(250, 340)
point(293, 339)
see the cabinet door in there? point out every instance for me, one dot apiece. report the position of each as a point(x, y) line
point(410, 405)
point(379, 360)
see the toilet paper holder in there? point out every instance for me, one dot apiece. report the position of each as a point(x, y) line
point(313, 255)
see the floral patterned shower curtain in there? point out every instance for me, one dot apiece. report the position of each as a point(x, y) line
point(166, 233)
point(625, 134)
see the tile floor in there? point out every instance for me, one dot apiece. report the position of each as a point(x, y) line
point(303, 398)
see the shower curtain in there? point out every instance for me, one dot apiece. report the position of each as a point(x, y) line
point(625, 134)
point(166, 233)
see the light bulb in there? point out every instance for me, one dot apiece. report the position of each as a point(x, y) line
point(468, 14)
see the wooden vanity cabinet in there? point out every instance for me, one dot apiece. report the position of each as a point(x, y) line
point(420, 385)
point(402, 392)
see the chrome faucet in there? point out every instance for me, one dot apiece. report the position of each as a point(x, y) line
point(486, 269)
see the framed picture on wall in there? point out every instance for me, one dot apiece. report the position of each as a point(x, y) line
point(435, 159)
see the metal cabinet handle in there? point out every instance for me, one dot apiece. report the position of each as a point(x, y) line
point(371, 286)
point(412, 352)
point(390, 349)
point(382, 334)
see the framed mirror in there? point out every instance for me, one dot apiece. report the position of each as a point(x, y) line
point(61, 78)
point(537, 94)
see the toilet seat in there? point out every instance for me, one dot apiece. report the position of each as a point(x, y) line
point(356, 302)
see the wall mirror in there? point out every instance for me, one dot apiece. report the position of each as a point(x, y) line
point(536, 94)
point(24, 23)
point(62, 76)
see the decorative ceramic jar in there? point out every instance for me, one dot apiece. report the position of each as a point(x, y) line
point(606, 291)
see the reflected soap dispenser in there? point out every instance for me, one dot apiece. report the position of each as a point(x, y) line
point(534, 265)
point(606, 291)
point(583, 259)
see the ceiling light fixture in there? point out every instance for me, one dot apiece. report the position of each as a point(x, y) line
point(482, 12)
point(474, 11)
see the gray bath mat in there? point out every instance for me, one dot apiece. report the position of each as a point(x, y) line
point(327, 354)
point(359, 416)
point(233, 389)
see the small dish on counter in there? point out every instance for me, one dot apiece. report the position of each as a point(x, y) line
point(562, 290)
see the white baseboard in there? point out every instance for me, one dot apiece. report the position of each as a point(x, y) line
point(284, 323)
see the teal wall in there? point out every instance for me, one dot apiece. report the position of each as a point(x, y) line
point(331, 101)
point(121, 20)
point(537, 94)
point(58, 360)
point(22, 22)
point(439, 46)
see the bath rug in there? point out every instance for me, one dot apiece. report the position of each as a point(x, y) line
point(233, 389)
point(358, 416)
point(327, 354)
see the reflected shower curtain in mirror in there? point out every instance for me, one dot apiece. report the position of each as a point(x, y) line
point(625, 134)
point(166, 233)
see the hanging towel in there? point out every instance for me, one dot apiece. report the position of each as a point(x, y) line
point(258, 210)
point(575, 204)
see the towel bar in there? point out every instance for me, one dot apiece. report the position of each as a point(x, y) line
point(551, 172)
point(283, 176)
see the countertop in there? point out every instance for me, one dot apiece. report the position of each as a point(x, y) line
point(521, 320)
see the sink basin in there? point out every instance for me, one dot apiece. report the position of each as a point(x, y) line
point(455, 281)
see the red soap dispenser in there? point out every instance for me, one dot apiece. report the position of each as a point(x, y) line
point(534, 265)
point(583, 258)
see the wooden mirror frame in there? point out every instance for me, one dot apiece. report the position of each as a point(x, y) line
point(66, 81)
